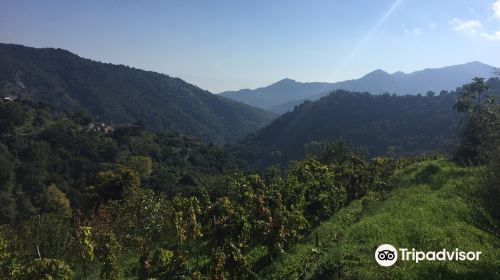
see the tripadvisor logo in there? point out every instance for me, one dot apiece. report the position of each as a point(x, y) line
point(387, 255)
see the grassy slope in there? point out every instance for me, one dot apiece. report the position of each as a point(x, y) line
point(432, 208)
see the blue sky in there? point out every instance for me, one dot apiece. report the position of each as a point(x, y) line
point(233, 44)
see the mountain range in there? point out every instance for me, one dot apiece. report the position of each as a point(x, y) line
point(386, 125)
point(282, 96)
point(118, 94)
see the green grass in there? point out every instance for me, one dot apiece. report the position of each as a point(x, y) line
point(432, 207)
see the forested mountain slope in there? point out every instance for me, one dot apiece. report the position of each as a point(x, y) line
point(384, 124)
point(120, 94)
point(48, 158)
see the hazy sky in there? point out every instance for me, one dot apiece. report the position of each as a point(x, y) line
point(233, 44)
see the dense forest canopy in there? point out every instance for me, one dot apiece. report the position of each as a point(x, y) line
point(120, 94)
point(45, 152)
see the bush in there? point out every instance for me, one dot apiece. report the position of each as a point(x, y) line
point(47, 269)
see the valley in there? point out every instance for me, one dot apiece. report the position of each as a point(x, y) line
point(249, 140)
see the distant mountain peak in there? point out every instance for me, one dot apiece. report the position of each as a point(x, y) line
point(285, 81)
point(377, 73)
point(476, 62)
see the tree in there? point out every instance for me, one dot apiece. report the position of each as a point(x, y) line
point(142, 219)
point(140, 164)
point(186, 218)
point(85, 246)
point(47, 236)
point(8, 209)
point(107, 245)
point(480, 117)
point(109, 249)
point(228, 234)
point(112, 184)
point(6, 165)
point(9, 266)
point(11, 115)
point(469, 101)
point(56, 201)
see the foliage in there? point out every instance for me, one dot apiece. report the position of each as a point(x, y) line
point(480, 122)
point(480, 138)
point(169, 264)
point(490, 190)
point(120, 94)
point(40, 268)
point(9, 266)
point(440, 211)
point(140, 164)
point(109, 250)
point(52, 162)
point(490, 193)
point(112, 184)
point(387, 125)
point(46, 235)
point(186, 212)
point(57, 201)
point(85, 244)
point(47, 269)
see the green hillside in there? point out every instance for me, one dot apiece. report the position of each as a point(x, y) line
point(121, 94)
point(383, 124)
point(41, 149)
point(387, 125)
point(433, 207)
